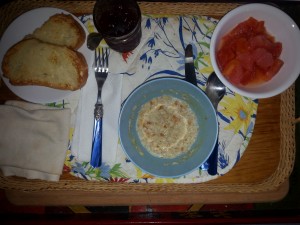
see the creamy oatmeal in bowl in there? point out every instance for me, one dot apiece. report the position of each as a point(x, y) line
point(167, 127)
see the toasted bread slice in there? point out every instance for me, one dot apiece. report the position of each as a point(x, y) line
point(61, 29)
point(32, 62)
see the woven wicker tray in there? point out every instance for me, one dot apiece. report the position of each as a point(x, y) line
point(287, 113)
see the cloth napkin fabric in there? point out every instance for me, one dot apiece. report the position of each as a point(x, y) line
point(159, 54)
point(111, 99)
point(33, 140)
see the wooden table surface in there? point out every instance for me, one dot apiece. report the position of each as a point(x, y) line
point(259, 162)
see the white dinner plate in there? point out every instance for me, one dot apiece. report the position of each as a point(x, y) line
point(17, 30)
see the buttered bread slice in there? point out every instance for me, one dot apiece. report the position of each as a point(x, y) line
point(61, 29)
point(33, 62)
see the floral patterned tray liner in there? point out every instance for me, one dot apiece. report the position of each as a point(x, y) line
point(161, 54)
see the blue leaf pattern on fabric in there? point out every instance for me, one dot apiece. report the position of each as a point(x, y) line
point(151, 42)
point(223, 159)
point(222, 117)
point(105, 169)
point(148, 24)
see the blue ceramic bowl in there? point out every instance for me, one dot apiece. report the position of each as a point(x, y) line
point(199, 151)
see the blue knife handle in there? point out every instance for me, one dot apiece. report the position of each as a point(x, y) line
point(96, 157)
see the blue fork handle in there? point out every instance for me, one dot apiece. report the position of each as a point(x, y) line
point(96, 157)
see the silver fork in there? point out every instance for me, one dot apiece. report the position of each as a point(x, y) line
point(101, 71)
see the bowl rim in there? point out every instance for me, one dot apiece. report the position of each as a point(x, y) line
point(200, 91)
point(213, 46)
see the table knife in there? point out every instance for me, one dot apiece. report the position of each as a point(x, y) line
point(190, 74)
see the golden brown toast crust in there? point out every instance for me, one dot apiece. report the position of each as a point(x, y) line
point(33, 62)
point(61, 29)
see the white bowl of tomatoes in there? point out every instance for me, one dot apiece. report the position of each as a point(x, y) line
point(255, 50)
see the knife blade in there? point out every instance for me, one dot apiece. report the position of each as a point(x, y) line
point(190, 74)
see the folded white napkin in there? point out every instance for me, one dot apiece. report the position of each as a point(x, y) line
point(111, 99)
point(34, 140)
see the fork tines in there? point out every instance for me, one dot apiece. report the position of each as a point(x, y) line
point(101, 60)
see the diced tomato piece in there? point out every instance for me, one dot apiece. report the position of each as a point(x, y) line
point(252, 22)
point(241, 45)
point(277, 49)
point(224, 56)
point(259, 75)
point(226, 41)
point(260, 41)
point(274, 68)
point(262, 58)
point(248, 77)
point(246, 28)
point(246, 61)
point(260, 28)
point(234, 71)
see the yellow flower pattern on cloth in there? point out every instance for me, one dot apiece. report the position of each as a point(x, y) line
point(240, 109)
